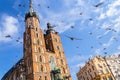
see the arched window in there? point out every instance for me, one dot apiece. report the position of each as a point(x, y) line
point(41, 68)
point(45, 77)
point(38, 42)
point(62, 62)
point(40, 59)
point(60, 54)
point(40, 78)
point(52, 63)
point(39, 50)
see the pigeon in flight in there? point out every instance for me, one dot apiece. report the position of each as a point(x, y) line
point(73, 38)
point(8, 36)
point(99, 4)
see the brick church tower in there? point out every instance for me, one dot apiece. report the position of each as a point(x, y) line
point(43, 57)
point(43, 53)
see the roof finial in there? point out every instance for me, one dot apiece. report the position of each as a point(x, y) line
point(31, 7)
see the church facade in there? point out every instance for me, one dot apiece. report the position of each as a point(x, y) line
point(44, 57)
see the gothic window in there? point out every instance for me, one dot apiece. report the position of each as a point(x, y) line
point(41, 68)
point(52, 63)
point(56, 40)
point(40, 78)
point(95, 73)
point(93, 67)
point(60, 54)
point(62, 62)
point(40, 59)
point(36, 29)
point(58, 48)
point(38, 42)
point(39, 50)
point(37, 35)
point(46, 78)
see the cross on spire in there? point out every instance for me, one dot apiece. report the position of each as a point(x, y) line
point(31, 7)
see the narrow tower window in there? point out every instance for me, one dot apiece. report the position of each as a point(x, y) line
point(45, 77)
point(39, 50)
point(37, 35)
point(42, 69)
point(38, 42)
point(40, 59)
point(40, 78)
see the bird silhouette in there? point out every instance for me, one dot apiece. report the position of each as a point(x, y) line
point(8, 36)
point(90, 19)
point(72, 27)
point(73, 38)
point(99, 4)
point(90, 33)
point(38, 4)
point(81, 13)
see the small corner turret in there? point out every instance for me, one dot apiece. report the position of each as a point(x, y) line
point(50, 29)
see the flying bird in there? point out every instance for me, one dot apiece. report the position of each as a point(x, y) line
point(73, 38)
point(20, 5)
point(99, 4)
point(105, 52)
point(72, 27)
point(91, 47)
point(81, 13)
point(38, 4)
point(8, 36)
point(90, 33)
point(77, 47)
point(108, 29)
point(90, 19)
point(48, 7)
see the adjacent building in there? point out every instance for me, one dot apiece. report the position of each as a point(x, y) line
point(44, 57)
point(114, 63)
point(95, 69)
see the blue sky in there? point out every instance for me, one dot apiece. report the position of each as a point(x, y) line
point(99, 35)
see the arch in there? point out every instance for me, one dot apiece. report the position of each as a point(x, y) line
point(62, 62)
point(40, 58)
point(40, 78)
point(41, 68)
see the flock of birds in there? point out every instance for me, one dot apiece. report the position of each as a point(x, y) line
point(72, 27)
point(18, 40)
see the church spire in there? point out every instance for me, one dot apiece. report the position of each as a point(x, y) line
point(31, 12)
point(31, 6)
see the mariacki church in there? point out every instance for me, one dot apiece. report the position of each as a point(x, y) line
point(43, 57)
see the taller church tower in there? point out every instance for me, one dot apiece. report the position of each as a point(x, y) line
point(43, 53)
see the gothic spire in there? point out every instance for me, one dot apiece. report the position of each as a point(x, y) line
point(31, 6)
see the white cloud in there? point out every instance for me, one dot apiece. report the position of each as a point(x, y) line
point(102, 16)
point(9, 26)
